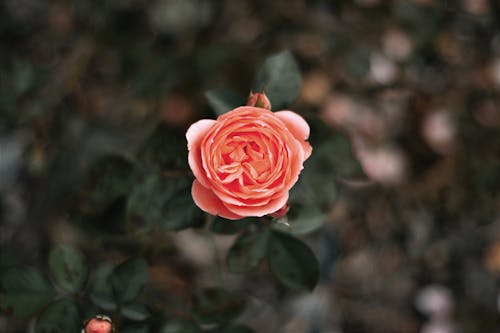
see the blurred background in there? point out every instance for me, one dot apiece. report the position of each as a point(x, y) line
point(402, 190)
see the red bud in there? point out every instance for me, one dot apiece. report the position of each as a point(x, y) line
point(259, 100)
point(99, 324)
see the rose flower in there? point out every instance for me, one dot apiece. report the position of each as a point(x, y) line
point(246, 161)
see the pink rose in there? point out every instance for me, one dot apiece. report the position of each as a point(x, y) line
point(246, 161)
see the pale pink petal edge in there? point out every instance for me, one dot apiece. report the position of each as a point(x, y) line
point(267, 209)
point(210, 203)
point(298, 127)
point(194, 136)
point(295, 123)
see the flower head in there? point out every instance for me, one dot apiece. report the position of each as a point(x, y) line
point(247, 160)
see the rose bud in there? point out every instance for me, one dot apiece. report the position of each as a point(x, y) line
point(259, 100)
point(247, 160)
point(98, 324)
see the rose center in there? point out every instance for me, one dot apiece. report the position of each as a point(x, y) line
point(244, 161)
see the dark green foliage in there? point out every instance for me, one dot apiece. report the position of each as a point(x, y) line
point(101, 292)
point(223, 226)
point(248, 250)
point(279, 77)
point(60, 316)
point(135, 312)
point(165, 203)
point(302, 219)
point(110, 178)
point(136, 329)
point(216, 306)
point(165, 150)
point(292, 262)
point(26, 291)
point(128, 279)
point(68, 268)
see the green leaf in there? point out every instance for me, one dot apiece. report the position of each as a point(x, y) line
point(68, 268)
point(111, 177)
point(302, 220)
point(279, 77)
point(135, 312)
point(181, 212)
point(178, 326)
point(60, 316)
point(235, 328)
point(247, 251)
point(26, 291)
point(165, 149)
point(101, 291)
point(163, 202)
point(128, 279)
point(292, 262)
point(224, 226)
point(223, 100)
point(331, 159)
point(216, 306)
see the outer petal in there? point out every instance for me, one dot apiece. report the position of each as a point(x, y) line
point(295, 123)
point(194, 136)
point(197, 131)
point(298, 127)
point(209, 202)
point(269, 208)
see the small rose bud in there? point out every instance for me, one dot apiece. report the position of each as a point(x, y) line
point(99, 324)
point(281, 212)
point(259, 100)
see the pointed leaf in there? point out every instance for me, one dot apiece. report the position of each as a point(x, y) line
point(163, 202)
point(302, 220)
point(60, 316)
point(101, 291)
point(279, 77)
point(292, 262)
point(26, 291)
point(68, 268)
point(128, 279)
point(247, 251)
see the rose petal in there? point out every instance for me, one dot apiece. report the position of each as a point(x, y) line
point(197, 131)
point(194, 136)
point(209, 202)
point(295, 123)
point(298, 127)
point(267, 209)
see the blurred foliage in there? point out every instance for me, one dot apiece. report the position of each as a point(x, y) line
point(397, 209)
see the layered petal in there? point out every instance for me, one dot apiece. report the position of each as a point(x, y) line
point(210, 203)
point(298, 127)
point(194, 136)
point(269, 208)
point(246, 161)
